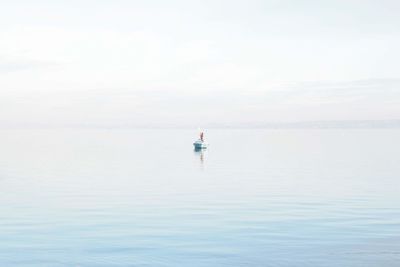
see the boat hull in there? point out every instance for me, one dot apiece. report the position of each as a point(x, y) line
point(199, 145)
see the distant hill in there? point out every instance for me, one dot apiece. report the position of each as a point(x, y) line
point(336, 124)
point(339, 124)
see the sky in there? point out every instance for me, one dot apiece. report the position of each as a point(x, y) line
point(197, 63)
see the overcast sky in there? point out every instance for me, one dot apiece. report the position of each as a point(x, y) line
point(197, 63)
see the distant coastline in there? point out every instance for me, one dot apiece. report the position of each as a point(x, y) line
point(332, 124)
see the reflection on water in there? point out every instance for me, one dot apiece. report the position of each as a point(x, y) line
point(200, 153)
point(128, 198)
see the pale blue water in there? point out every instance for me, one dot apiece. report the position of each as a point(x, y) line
point(145, 198)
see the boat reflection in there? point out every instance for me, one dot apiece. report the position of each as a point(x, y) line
point(201, 154)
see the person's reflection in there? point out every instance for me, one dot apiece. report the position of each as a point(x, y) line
point(200, 152)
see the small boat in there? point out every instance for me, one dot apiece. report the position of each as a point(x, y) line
point(200, 143)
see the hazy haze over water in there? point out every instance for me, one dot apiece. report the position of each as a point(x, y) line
point(87, 180)
point(197, 63)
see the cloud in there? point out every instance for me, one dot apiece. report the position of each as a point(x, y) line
point(296, 102)
point(18, 65)
point(131, 63)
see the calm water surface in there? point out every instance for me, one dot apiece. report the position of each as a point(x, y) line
point(145, 198)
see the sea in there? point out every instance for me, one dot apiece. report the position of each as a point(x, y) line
point(255, 197)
